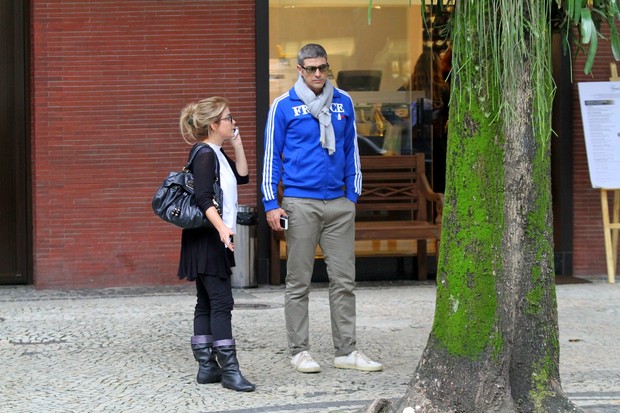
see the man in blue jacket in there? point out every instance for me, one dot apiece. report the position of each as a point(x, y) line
point(311, 146)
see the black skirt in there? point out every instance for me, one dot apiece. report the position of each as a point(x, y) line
point(202, 252)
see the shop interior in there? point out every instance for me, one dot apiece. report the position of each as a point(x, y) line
point(393, 63)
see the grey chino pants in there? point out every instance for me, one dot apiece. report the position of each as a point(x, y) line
point(330, 224)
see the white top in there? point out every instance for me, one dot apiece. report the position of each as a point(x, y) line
point(228, 183)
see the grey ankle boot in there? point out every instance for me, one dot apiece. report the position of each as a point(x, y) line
point(208, 369)
point(227, 357)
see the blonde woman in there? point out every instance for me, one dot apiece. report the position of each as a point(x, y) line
point(207, 253)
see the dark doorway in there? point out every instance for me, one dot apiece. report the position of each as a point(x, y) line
point(15, 222)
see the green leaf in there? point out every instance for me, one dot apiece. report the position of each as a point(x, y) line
point(591, 53)
point(574, 10)
point(615, 39)
point(587, 26)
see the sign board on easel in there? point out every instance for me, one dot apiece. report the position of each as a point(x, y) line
point(600, 113)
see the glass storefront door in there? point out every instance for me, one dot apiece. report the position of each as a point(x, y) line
point(392, 70)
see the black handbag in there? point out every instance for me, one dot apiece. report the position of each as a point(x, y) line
point(174, 200)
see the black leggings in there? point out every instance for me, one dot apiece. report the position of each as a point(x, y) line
point(214, 304)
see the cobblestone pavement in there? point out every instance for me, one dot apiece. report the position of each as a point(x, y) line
point(127, 349)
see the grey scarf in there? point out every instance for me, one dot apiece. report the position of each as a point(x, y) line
point(318, 106)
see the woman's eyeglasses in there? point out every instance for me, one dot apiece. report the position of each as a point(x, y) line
point(312, 69)
point(228, 118)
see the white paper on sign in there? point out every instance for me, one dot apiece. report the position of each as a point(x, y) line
point(600, 114)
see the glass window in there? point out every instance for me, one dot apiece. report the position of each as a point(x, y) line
point(387, 66)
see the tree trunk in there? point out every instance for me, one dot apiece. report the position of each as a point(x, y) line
point(494, 342)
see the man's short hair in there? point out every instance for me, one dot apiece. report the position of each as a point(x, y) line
point(310, 51)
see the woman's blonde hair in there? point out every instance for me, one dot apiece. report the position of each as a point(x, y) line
point(197, 118)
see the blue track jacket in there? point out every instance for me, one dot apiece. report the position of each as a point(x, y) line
point(293, 152)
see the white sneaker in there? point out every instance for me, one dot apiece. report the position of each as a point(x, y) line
point(358, 361)
point(304, 363)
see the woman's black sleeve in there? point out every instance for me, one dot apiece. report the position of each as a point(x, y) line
point(203, 168)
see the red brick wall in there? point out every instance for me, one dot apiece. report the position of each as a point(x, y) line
point(109, 81)
point(589, 245)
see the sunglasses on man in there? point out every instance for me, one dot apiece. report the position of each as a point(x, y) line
point(312, 69)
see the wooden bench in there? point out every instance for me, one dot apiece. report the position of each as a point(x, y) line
point(397, 203)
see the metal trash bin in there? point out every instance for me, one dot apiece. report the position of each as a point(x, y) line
point(244, 271)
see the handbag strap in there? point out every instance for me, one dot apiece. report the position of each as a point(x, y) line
point(193, 154)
